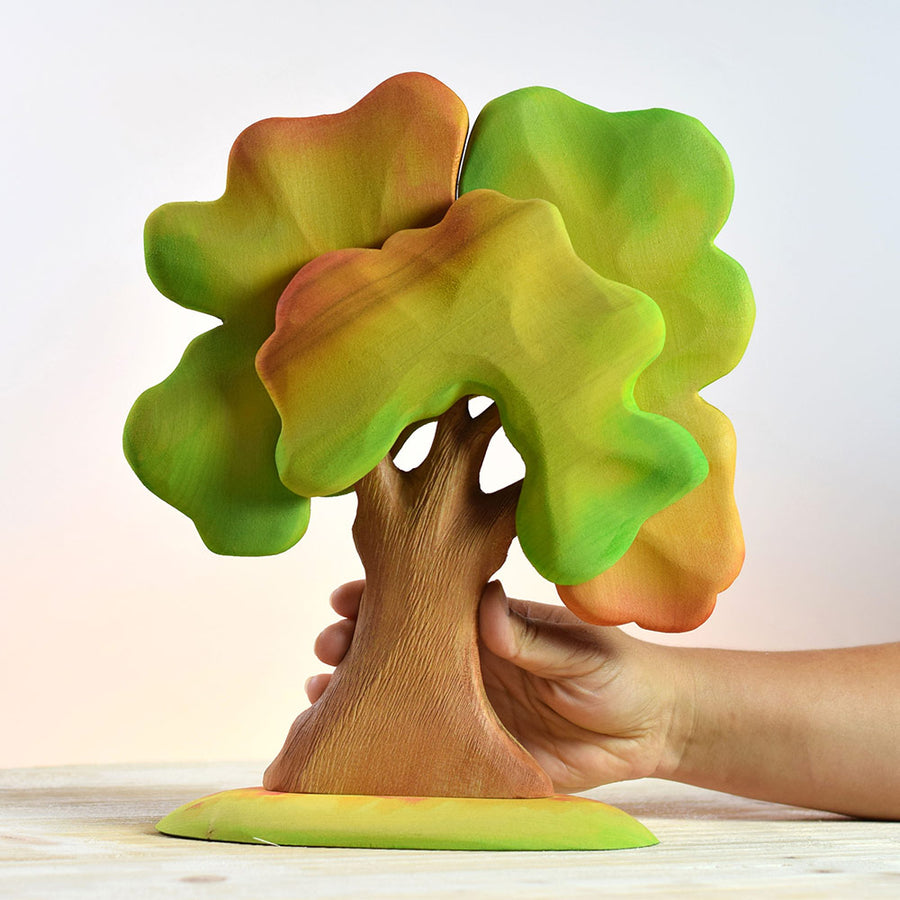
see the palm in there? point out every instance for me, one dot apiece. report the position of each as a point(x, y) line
point(586, 701)
point(585, 720)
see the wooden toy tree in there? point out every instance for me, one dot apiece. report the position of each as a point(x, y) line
point(573, 281)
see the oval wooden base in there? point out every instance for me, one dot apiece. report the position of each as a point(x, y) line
point(257, 816)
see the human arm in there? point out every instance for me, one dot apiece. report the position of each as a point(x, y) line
point(817, 728)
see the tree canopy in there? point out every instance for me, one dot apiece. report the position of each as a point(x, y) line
point(575, 281)
point(492, 301)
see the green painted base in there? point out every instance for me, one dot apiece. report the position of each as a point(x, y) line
point(257, 816)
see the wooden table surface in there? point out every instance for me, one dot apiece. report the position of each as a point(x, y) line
point(87, 831)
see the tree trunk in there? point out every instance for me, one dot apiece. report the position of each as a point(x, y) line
point(405, 712)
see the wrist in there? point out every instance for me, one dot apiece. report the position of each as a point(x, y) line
point(678, 711)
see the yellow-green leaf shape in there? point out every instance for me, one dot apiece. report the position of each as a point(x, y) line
point(204, 439)
point(491, 301)
point(257, 816)
point(643, 194)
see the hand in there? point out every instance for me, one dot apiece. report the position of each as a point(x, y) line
point(590, 703)
point(817, 728)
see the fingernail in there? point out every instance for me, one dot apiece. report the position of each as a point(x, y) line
point(497, 588)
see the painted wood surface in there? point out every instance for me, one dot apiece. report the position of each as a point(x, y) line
point(420, 724)
point(88, 831)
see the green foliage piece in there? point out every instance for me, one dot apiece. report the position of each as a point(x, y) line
point(204, 439)
point(491, 301)
point(642, 195)
point(229, 451)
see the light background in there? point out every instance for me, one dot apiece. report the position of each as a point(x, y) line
point(122, 638)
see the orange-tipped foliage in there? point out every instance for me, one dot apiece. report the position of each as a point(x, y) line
point(643, 195)
point(204, 439)
point(491, 301)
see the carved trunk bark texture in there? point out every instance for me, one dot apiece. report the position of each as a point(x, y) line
point(405, 712)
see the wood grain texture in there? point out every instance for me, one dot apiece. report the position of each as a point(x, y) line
point(406, 711)
point(88, 831)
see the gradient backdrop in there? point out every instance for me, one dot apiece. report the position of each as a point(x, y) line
point(122, 638)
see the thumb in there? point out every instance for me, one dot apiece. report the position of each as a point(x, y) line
point(526, 635)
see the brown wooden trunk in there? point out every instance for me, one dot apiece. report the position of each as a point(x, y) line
point(405, 712)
